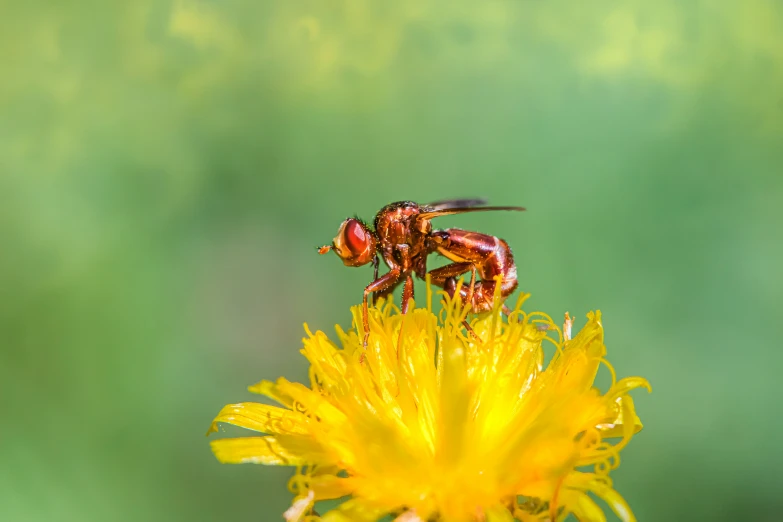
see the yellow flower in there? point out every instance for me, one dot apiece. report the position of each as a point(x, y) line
point(432, 421)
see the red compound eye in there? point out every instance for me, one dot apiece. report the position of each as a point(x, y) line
point(356, 238)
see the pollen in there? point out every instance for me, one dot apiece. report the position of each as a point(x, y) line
point(501, 421)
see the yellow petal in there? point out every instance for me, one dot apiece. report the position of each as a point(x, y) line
point(616, 428)
point(499, 513)
point(255, 450)
point(263, 418)
point(328, 487)
point(455, 400)
point(353, 511)
point(623, 386)
point(584, 508)
point(325, 359)
point(615, 501)
point(270, 390)
point(313, 402)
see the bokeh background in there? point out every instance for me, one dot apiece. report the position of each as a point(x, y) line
point(167, 168)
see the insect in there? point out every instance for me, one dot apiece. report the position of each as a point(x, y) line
point(403, 236)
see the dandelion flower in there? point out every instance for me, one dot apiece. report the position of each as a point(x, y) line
point(434, 422)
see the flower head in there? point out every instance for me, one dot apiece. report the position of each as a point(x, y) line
point(433, 420)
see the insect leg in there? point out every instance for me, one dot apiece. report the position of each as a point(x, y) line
point(440, 276)
point(471, 289)
point(445, 277)
point(407, 294)
point(379, 285)
point(490, 255)
point(377, 295)
point(385, 293)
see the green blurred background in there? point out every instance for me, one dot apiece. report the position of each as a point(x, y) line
point(166, 169)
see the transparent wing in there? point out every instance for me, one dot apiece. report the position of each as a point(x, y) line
point(430, 214)
point(456, 203)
